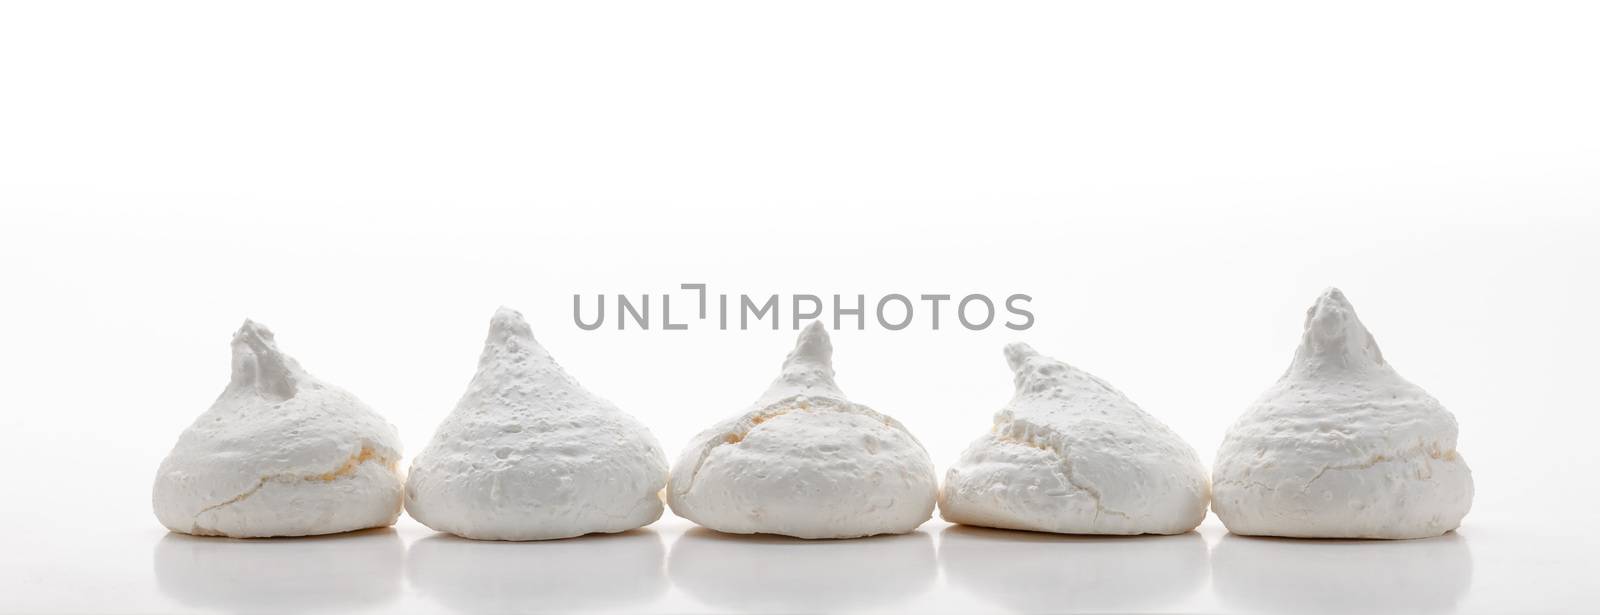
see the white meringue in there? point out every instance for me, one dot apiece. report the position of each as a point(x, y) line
point(1071, 454)
point(529, 454)
point(804, 461)
point(280, 453)
point(1341, 446)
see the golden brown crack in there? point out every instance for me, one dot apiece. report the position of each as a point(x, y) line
point(775, 410)
point(366, 454)
point(348, 468)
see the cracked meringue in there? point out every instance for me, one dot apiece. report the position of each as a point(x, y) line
point(280, 453)
point(1073, 455)
point(1341, 446)
point(804, 461)
point(529, 454)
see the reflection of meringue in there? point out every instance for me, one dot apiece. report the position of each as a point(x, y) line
point(804, 461)
point(346, 572)
point(1341, 576)
point(1043, 572)
point(280, 453)
point(1341, 446)
point(1071, 454)
point(777, 574)
point(529, 454)
point(600, 571)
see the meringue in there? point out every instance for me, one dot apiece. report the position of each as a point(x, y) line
point(280, 453)
point(529, 454)
point(1071, 454)
point(805, 461)
point(1341, 446)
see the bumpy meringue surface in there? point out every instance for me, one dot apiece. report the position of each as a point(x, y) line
point(805, 461)
point(1071, 454)
point(1342, 446)
point(529, 454)
point(280, 453)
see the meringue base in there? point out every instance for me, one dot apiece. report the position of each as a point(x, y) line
point(1416, 495)
point(1009, 484)
point(361, 496)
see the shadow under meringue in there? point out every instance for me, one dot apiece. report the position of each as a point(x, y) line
point(762, 572)
point(1039, 571)
point(1342, 576)
point(594, 571)
point(330, 572)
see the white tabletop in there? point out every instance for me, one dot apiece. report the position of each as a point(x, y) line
point(674, 567)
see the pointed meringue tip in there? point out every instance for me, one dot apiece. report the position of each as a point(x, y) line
point(258, 363)
point(813, 346)
point(1018, 353)
point(254, 329)
point(807, 370)
point(1332, 296)
point(1334, 331)
point(255, 336)
point(509, 322)
point(1331, 311)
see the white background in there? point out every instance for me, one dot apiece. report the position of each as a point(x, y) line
point(1172, 183)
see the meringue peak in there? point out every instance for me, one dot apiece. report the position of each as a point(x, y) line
point(1038, 375)
point(1334, 337)
point(1017, 355)
point(509, 323)
point(813, 346)
point(259, 366)
point(808, 370)
point(513, 360)
point(510, 337)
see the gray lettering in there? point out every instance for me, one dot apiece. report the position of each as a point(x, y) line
point(641, 316)
point(748, 307)
point(666, 315)
point(599, 313)
point(961, 312)
point(816, 304)
point(702, 289)
point(935, 299)
point(884, 322)
point(1011, 307)
point(839, 312)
